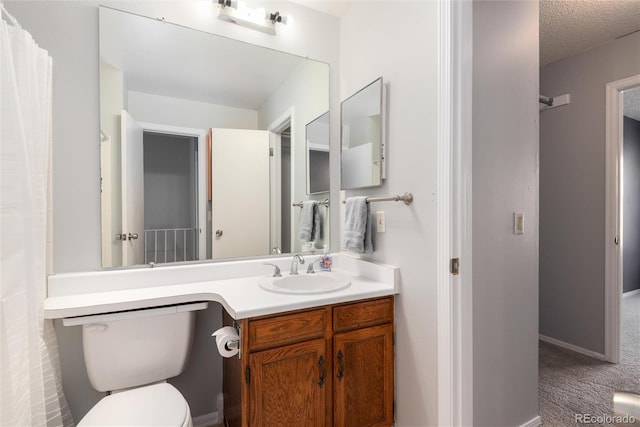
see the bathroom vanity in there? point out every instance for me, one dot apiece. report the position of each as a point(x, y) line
point(317, 359)
point(327, 366)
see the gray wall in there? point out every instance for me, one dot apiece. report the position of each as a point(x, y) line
point(631, 205)
point(505, 180)
point(69, 31)
point(572, 191)
point(318, 171)
point(169, 181)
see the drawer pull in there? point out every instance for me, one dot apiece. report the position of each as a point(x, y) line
point(340, 365)
point(323, 371)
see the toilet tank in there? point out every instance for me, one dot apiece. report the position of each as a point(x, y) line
point(134, 348)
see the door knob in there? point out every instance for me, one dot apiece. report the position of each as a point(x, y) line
point(218, 233)
point(133, 236)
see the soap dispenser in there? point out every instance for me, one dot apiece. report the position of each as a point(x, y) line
point(325, 261)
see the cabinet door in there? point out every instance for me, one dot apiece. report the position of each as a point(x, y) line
point(287, 386)
point(363, 377)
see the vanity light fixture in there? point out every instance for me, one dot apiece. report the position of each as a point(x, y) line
point(276, 17)
point(228, 3)
point(257, 19)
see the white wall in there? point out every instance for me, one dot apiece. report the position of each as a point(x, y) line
point(572, 191)
point(401, 45)
point(69, 31)
point(307, 102)
point(157, 109)
point(505, 180)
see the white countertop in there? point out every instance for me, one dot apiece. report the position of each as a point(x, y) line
point(80, 294)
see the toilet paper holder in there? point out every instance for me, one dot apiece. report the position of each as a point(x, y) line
point(236, 344)
point(232, 345)
point(229, 343)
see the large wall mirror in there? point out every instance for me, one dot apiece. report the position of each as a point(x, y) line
point(203, 144)
point(362, 137)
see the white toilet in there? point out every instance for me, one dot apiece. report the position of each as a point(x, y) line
point(131, 354)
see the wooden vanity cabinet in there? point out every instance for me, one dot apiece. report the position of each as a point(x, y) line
point(363, 364)
point(328, 366)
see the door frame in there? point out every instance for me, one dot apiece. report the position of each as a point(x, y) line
point(454, 213)
point(201, 135)
point(284, 120)
point(613, 215)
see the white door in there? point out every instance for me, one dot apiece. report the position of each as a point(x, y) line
point(275, 186)
point(132, 191)
point(240, 193)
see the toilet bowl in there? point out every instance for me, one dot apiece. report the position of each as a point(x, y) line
point(130, 355)
point(154, 405)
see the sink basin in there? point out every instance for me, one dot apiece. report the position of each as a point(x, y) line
point(318, 283)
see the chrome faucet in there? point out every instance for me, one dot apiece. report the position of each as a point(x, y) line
point(294, 264)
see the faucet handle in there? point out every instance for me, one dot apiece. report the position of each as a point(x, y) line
point(310, 269)
point(276, 271)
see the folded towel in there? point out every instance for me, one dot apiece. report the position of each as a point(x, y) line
point(317, 223)
point(357, 227)
point(308, 221)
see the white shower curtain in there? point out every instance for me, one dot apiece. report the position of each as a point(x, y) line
point(30, 385)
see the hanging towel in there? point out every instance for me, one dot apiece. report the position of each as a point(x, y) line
point(308, 222)
point(357, 227)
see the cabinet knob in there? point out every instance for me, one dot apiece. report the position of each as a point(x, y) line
point(340, 365)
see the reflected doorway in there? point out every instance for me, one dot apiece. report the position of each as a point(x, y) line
point(170, 198)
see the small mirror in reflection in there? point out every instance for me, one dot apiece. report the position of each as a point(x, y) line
point(318, 155)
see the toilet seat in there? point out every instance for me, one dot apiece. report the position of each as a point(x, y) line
point(153, 405)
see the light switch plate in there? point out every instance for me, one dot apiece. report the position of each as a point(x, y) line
point(518, 223)
point(381, 225)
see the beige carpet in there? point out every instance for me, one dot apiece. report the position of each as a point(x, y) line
point(570, 383)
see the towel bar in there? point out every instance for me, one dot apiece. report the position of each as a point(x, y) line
point(407, 198)
point(325, 202)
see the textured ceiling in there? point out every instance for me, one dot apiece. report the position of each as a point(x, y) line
point(632, 103)
point(570, 27)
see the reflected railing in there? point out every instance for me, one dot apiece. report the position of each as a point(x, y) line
point(162, 245)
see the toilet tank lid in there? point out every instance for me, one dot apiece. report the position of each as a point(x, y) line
point(132, 314)
point(154, 405)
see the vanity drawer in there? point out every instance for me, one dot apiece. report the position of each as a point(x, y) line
point(287, 329)
point(362, 314)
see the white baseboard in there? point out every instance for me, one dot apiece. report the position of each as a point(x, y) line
point(572, 347)
point(206, 420)
point(533, 422)
point(631, 293)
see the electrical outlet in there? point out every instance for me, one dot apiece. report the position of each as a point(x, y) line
point(381, 225)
